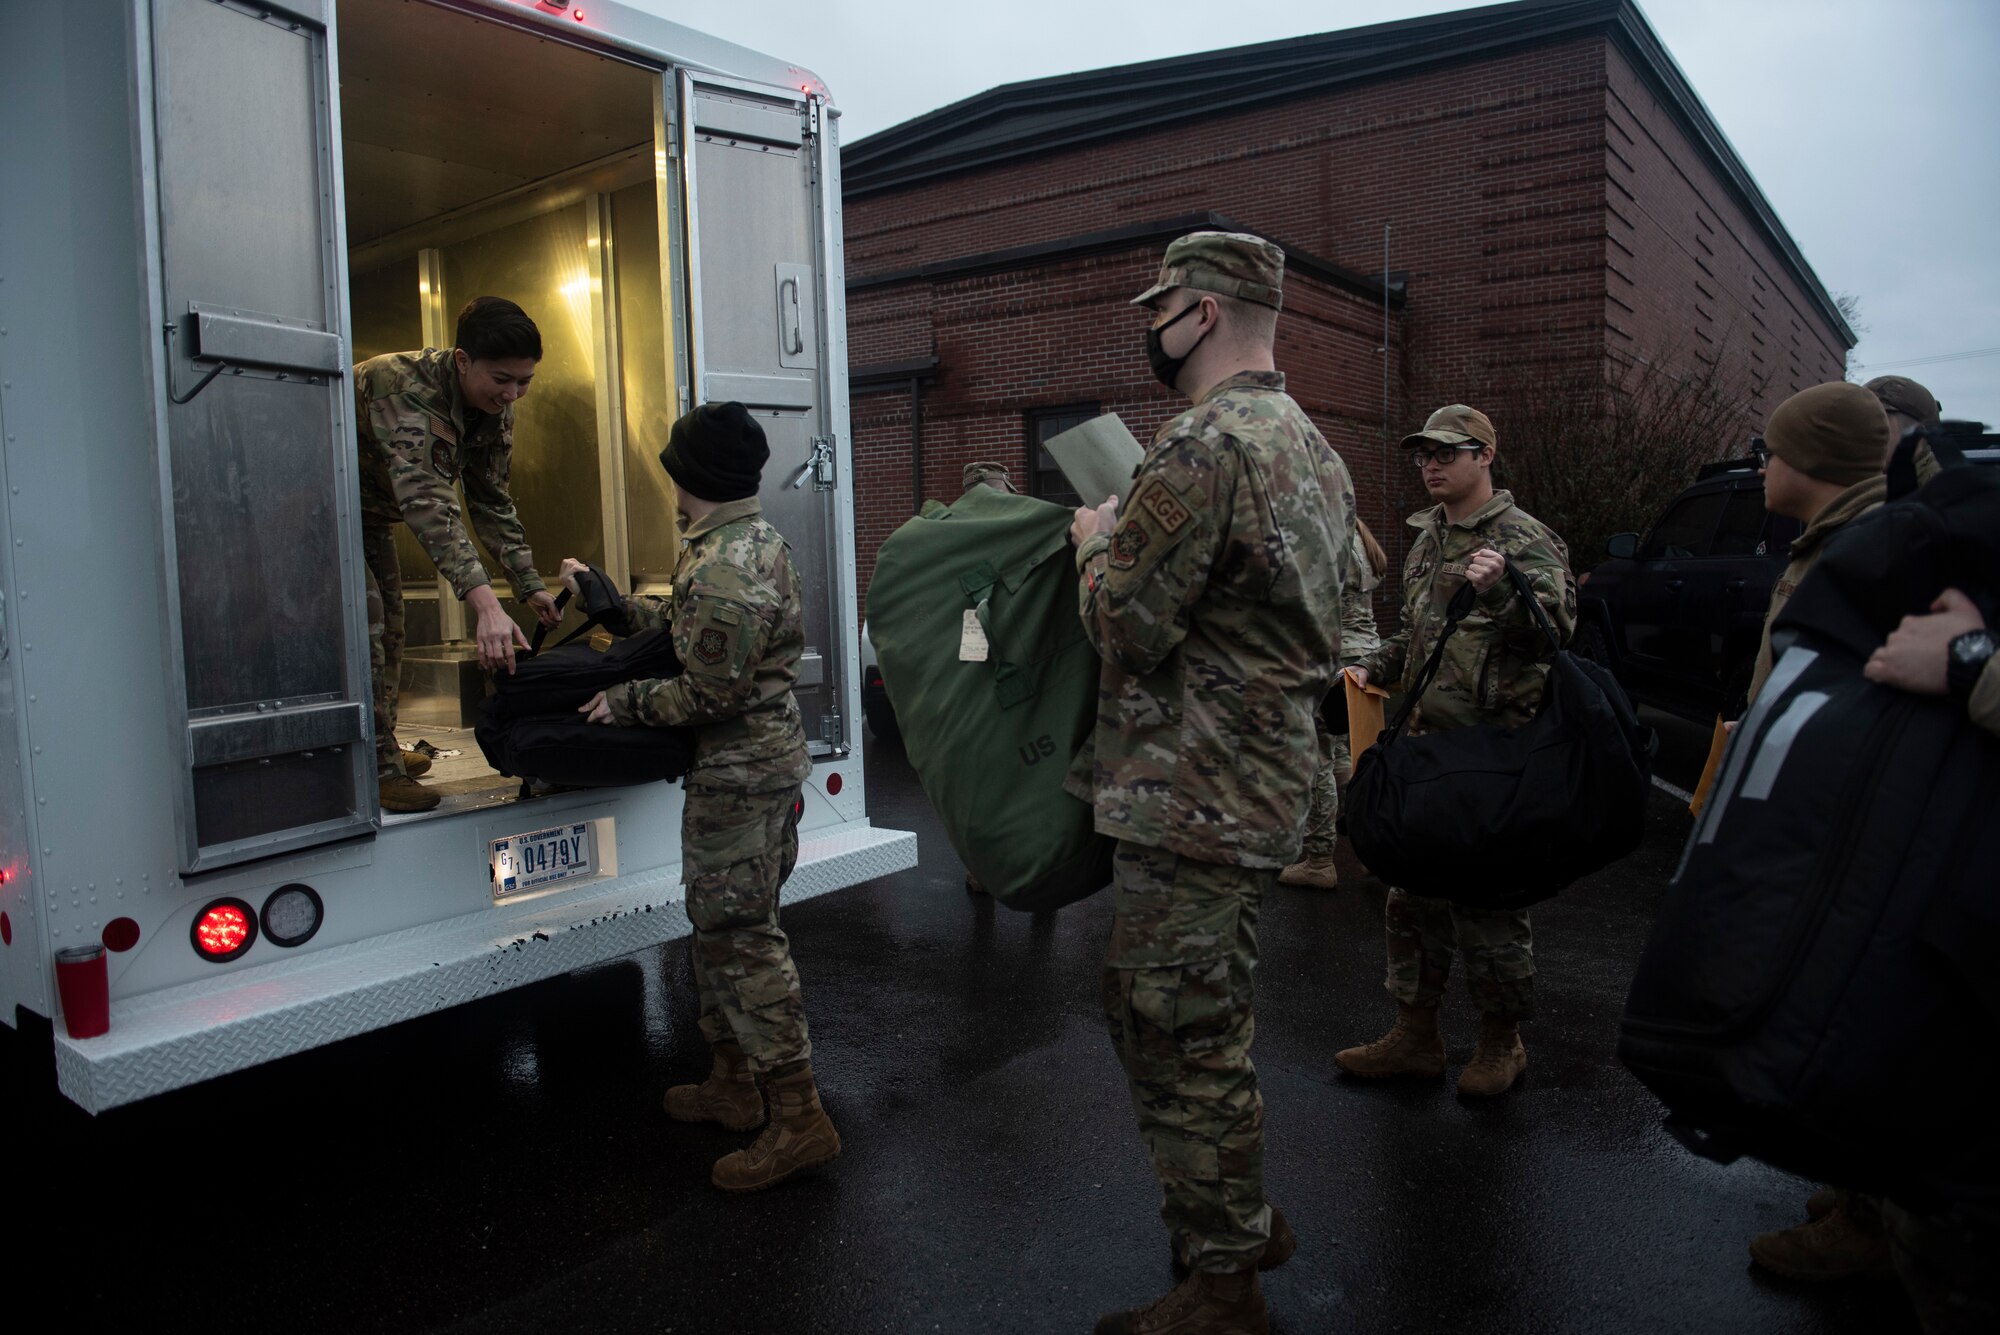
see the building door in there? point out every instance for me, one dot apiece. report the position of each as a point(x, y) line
point(756, 280)
point(265, 582)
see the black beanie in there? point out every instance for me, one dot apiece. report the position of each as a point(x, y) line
point(716, 453)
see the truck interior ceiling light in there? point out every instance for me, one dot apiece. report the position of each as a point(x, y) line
point(224, 930)
point(292, 914)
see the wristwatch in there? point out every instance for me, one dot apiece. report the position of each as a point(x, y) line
point(1967, 658)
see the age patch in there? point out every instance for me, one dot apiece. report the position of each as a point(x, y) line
point(1165, 508)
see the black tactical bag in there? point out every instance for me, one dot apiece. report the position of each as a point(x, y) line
point(1497, 817)
point(529, 726)
point(1819, 990)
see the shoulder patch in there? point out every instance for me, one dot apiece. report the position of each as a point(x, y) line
point(711, 646)
point(1127, 542)
point(1164, 507)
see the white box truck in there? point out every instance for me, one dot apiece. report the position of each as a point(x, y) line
point(210, 210)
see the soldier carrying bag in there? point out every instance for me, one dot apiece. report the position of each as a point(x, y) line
point(1500, 818)
point(530, 727)
point(973, 614)
point(1819, 989)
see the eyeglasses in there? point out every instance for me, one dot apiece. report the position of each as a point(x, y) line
point(1440, 455)
point(1760, 452)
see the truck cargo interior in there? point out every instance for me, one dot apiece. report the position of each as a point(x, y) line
point(481, 158)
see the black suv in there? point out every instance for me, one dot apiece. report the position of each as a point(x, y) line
point(1678, 615)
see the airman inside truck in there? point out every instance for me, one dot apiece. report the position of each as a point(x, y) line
point(428, 419)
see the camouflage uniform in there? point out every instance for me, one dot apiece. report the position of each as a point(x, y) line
point(1211, 608)
point(417, 437)
point(1494, 671)
point(739, 630)
point(1357, 637)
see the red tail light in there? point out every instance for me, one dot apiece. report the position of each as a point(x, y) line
point(224, 930)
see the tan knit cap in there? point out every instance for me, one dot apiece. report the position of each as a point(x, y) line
point(1836, 432)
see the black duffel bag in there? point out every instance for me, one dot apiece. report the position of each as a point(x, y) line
point(530, 728)
point(1500, 818)
point(1819, 990)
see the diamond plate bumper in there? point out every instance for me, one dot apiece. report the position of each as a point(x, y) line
point(183, 1035)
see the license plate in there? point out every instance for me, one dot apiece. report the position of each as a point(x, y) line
point(529, 861)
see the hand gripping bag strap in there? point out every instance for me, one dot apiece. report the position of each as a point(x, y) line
point(1457, 610)
point(602, 604)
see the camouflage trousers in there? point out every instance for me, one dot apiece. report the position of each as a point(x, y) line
point(1498, 946)
point(1177, 998)
point(1328, 774)
point(385, 641)
point(737, 849)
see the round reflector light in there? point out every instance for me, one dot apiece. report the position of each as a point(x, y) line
point(833, 784)
point(224, 930)
point(292, 914)
point(120, 934)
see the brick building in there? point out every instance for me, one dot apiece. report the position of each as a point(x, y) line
point(1554, 191)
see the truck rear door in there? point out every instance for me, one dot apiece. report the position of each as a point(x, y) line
point(255, 443)
point(756, 294)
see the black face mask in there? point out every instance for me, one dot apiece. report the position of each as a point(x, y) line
point(1167, 369)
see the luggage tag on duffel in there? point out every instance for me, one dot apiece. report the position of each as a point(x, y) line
point(972, 645)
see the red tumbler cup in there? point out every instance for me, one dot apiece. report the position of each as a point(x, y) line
point(85, 989)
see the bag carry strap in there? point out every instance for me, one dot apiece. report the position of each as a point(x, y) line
point(1457, 610)
point(542, 631)
point(1903, 460)
point(590, 624)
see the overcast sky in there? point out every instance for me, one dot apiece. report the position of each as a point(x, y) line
point(1870, 124)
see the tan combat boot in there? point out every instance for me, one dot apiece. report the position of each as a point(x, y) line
point(729, 1097)
point(415, 763)
point(1207, 1302)
point(1411, 1047)
point(1498, 1061)
point(1276, 1252)
point(1820, 1204)
point(799, 1136)
point(1847, 1242)
point(1314, 871)
point(400, 792)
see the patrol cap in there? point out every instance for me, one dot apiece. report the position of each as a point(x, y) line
point(1900, 394)
point(995, 475)
point(1234, 264)
point(1453, 424)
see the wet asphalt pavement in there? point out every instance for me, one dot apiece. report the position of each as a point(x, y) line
point(505, 1167)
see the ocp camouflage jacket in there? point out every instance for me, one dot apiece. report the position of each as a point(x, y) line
point(415, 444)
point(1497, 663)
point(1214, 605)
point(738, 628)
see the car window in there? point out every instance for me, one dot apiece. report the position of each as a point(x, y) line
point(1685, 530)
point(1742, 528)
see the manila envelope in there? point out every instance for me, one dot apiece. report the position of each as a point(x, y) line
point(1364, 716)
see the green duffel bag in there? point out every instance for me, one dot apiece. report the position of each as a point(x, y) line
point(992, 741)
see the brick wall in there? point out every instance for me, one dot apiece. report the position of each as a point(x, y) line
point(1061, 334)
point(1546, 212)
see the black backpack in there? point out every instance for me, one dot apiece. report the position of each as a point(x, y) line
point(529, 727)
point(1496, 817)
point(1820, 988)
